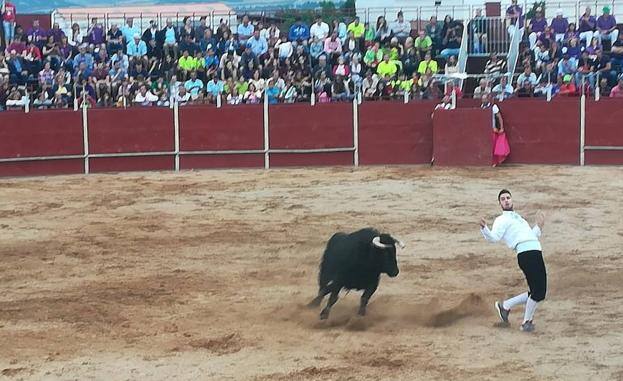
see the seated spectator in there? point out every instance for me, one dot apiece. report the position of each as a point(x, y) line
point(383, 32)
point(386, 68)
point(36, 34)
point(43, 100)
point(453, 45)
point(451, 66)
point(340, 90)
point(571, 34)
point(528, 76)
point(494, 66)
point(568, 88)
point(289, 93)
point(187, 29)
point(333, 47)
point(319, 29)
point(339, 26)
point(194, 85)
point(482, 89)
point(567, 66)
point(536, 27)
point(543, 87)
point(369, 83)
point(252, 95)
point(86, 100)
point(423, 44)
point(351, 47)
point(559, 25)
point(585, 71)
point(272, 92)
point(214, 89)
point(76, 38)
point(258, 45)
point(15, 100)
point(245, 30)
point(373, 56)
point(525, 89)
point(341, 68)
point(129, 30)
point(183, 97)
point(427, 64)
point(137, 50)
point(587, 26)
point(356, 28)
point(451, 87)
point(355, 69)
point(401, 28)
point(503, 89)
point(433, 30)
point(114, 39)
point(607, 27)
point(616, 56)
point(617, 91)
point(170, 38)
point(298, 31)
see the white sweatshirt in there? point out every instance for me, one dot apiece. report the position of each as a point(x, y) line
point(511, 228)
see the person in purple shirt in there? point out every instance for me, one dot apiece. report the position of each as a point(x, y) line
point(56, 32)
point(559, 25)
point(607, 27)
point(37, 35)
point(536, 27)
point(571, 34)
point(587, 25)
point(514, 14)
point(96, 34)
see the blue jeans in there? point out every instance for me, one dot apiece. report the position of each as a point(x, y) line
point(9, 30)
point(446, 53)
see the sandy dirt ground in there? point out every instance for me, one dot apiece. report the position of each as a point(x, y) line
point(205, 276)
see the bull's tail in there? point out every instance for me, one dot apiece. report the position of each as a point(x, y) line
point(328, 265)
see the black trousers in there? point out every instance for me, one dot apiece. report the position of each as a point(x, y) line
point(533, 267)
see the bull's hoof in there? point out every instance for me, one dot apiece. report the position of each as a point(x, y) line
point(324, 315)
point(314, 303)
point(361, 313)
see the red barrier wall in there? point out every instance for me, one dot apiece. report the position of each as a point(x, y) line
point(395, 133)
point(540, 132)
point(462, 137)
point(41, 133)
point(205, 128)
point(300, 126)
point(127, 131)
point(603, 128)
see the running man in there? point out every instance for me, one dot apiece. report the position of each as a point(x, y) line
point(511, 228)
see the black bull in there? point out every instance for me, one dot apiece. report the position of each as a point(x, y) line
point(355, 261)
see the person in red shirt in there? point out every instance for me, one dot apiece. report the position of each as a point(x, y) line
point(568, 87)
point(8, 21)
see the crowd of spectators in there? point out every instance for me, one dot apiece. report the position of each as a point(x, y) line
point(193, 63)
point(558, 57)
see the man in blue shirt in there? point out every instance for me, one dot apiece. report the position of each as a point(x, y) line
point(129, 30)
point(245, 30)
point(194, 85)
point(137, 49)
point(258, 44)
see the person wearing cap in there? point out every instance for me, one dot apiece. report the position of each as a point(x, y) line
point(568, 86)
point(586, 26)
point(559, 25)
point(516, 233)
point(536, 27)
point(298, 31)
point(607, 27)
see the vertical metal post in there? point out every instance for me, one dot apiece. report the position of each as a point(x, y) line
point(176, 127)
point(356, 132)
point(85, 134)
point(266, 134)
point(219, 100)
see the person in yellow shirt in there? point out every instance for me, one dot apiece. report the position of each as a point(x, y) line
point(357, 28)
point(427, 64)
point(186, 64)
point(386, 68)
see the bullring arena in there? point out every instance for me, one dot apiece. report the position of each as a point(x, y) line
point(205, 275)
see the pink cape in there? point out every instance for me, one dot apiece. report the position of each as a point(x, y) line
point(501, 149)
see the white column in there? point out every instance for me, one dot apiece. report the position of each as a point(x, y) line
point(176, 127)
point(266, 135)
point(85, 133)
point(356, 132)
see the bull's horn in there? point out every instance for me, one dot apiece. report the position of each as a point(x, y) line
point(376, 241)
point(400, 243)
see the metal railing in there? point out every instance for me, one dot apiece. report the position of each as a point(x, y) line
point(488, 35)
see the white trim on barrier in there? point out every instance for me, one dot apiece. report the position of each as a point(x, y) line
point(312, 150)
point(40, 158)
point(603, 148)
point(176, 127)
point(266, 134)
point(85, 135)
point(230, 152)
point(132, 154)
point(582, 123)
point(356, 132)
